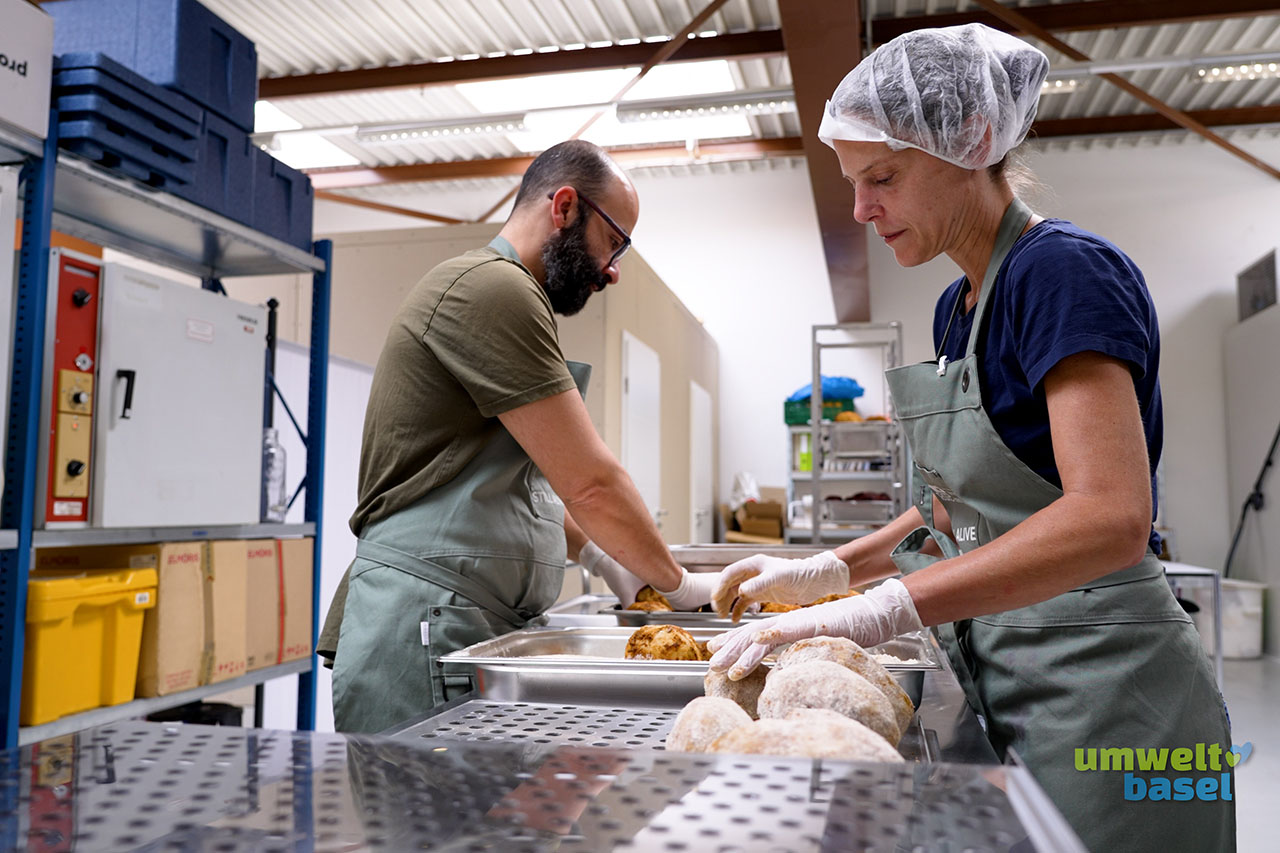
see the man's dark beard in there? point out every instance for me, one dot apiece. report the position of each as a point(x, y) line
point(571, 270)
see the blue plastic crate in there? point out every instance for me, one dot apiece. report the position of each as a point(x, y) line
point(140, 127)
point(114, 147)
point(282, 201)
point(224, 170)
point(175, 43)
point(98, 74)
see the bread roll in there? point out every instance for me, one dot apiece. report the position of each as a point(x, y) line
point(851, 656)
point(823, 684)
point(746, 693)
point(702, 721)
point(776, 607)
point(650, 606)
point(662, 642)
point(808, 733)
point(648, 593)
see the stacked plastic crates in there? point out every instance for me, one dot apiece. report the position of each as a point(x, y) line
point(121, 61)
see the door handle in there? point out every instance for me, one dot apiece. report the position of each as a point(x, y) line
point(129, 376)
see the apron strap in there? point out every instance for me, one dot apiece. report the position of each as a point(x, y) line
point(439, 575)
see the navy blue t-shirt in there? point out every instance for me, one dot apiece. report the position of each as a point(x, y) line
point(1061, 291)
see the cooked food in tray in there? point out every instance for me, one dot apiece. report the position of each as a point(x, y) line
point(662, 642)
point(650, 600)
point(823, 698)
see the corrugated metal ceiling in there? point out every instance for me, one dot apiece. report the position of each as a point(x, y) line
point(310, 36)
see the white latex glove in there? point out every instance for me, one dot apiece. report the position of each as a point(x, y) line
point(880, 614)
point(620, 581)
point(694, 590)
point(760, 578)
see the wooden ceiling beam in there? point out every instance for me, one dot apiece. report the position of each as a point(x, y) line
point(827, 41)
point(1146, 122)
point(360, 176)
point(729, 46)
point(1088, 15)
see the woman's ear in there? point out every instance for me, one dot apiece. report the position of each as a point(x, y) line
point(978, 128)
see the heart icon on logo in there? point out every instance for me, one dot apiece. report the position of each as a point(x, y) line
point(1239, 753)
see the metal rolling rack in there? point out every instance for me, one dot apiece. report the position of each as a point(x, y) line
point(879, 445)
point(80, 199)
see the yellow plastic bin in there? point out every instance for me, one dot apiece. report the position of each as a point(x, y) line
point(83, 635)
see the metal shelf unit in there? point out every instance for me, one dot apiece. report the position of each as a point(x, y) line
point(141, 707)
point(86, 202)
point(856, 455)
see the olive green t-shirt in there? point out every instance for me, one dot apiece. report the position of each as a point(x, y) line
point(476, 337)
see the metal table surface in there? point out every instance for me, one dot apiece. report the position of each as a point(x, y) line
point(154, 787)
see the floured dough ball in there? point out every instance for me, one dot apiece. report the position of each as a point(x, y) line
point(702, 721)
point(648, 593)
point(662, 642)
point(746, 693)
point(808, 733)
point(822, 684)
point(776, 607)
point(650, 606)
point(851, 656)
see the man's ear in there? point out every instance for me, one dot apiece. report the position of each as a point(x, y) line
point(564, 207)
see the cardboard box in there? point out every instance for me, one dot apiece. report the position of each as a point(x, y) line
point(262, 616)
point(226, 577)
point(296, 557)
point(768, 527)
point(26, 66)
point(173, 632)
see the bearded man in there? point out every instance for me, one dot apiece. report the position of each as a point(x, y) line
point(480, 470)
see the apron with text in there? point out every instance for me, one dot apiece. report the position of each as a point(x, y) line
point(473, 559)
point(1113, 663)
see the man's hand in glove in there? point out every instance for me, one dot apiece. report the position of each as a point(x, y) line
point(760, 578)
point(881, 614)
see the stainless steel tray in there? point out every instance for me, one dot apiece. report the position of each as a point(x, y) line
point(586, 665)
point(713, 558)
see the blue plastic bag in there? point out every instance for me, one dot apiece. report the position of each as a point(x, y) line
point(833, 388)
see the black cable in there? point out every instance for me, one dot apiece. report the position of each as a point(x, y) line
point(1255, 500)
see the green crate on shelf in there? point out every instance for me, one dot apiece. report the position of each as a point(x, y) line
point(795, 412)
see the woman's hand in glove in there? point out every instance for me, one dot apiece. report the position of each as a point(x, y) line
point(620, 581)
point(880, 614)
point(760, 578)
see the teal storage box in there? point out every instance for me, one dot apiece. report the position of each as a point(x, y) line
point(178, 44)
point(282, 201)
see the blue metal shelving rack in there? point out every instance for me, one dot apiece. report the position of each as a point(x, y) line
point(75, 197)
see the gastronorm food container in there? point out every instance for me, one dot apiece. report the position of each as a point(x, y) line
point(586, 664)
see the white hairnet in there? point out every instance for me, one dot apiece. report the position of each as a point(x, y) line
point(941, 90)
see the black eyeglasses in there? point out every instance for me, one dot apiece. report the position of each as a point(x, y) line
point(626, 238)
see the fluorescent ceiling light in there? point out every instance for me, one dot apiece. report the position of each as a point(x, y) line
point(757, 102)
point(426, 131)
point(1060, 86)
point(547, 128)
point(1236, 73)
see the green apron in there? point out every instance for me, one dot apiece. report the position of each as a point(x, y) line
point(1113, 663)
point(473, 559)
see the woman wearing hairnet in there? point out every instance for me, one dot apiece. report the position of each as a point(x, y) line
point(1035, 436)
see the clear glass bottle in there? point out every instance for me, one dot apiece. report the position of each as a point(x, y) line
point(275, 498)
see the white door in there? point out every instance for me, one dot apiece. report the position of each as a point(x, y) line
point(642, 421)
point(178, 414)
point(701, 498)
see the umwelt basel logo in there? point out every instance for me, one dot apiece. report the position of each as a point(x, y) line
point(1198, 772)
point(12, 64)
